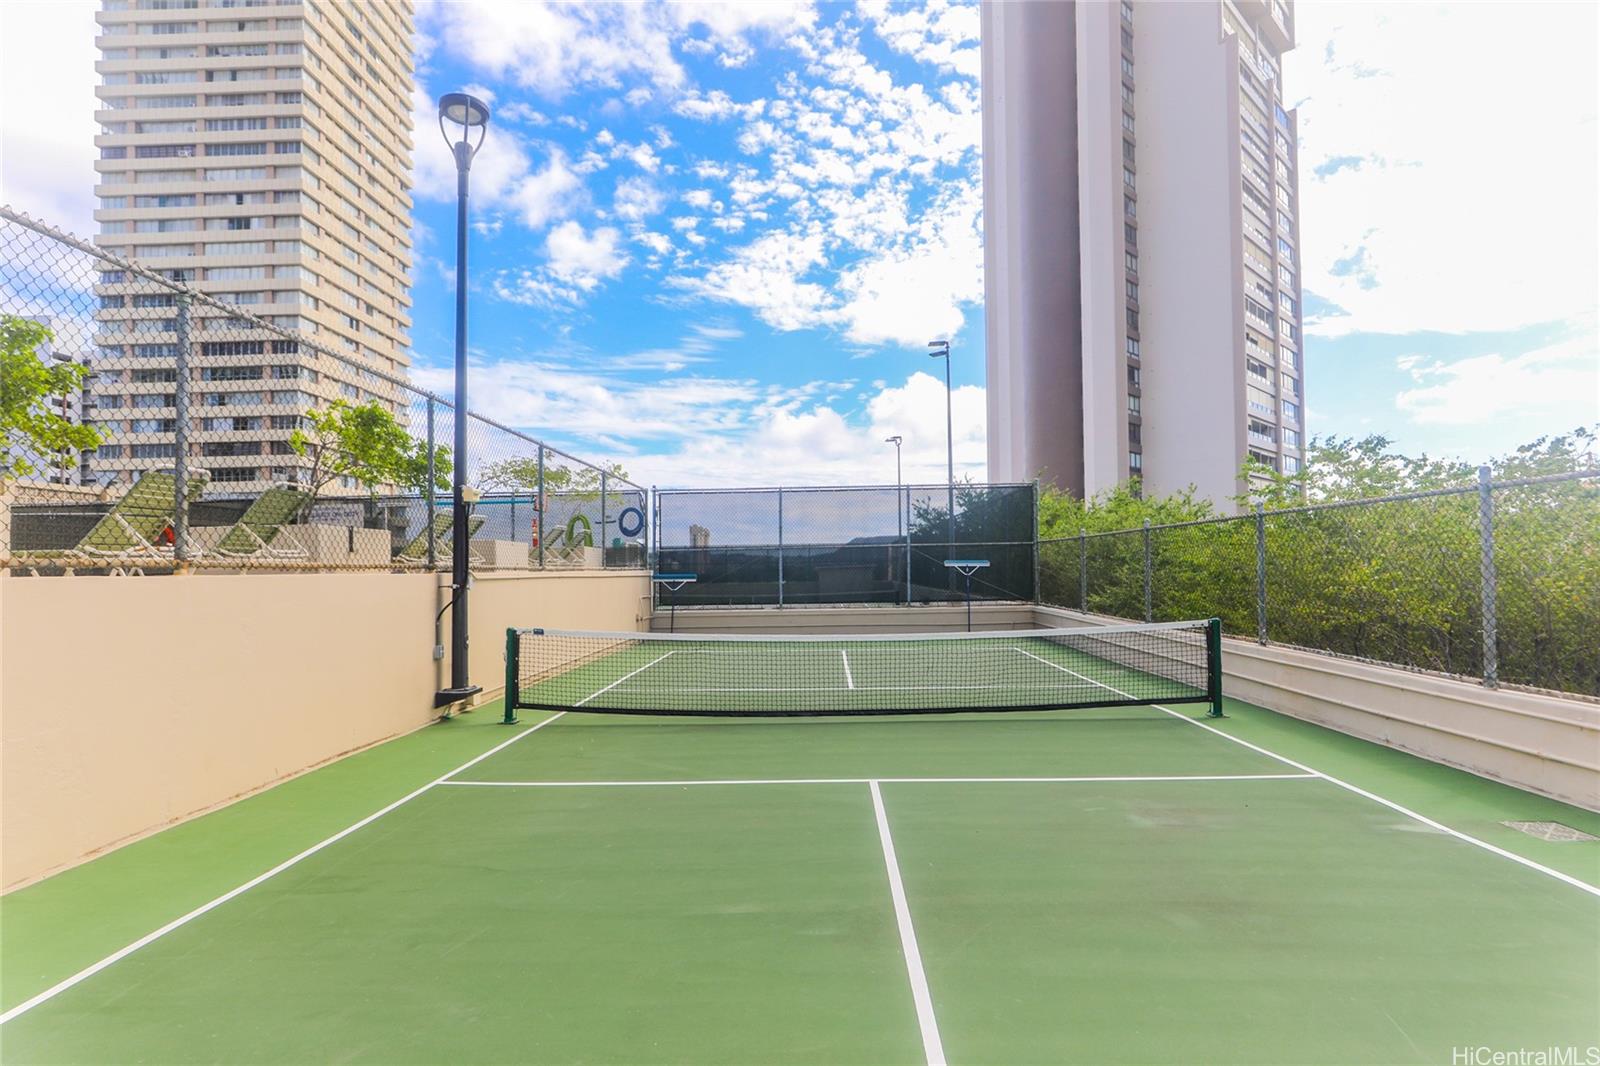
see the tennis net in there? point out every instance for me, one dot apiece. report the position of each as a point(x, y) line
point(791, 675)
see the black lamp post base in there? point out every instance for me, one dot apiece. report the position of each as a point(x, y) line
point(447, 696)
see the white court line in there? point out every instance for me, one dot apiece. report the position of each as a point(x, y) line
point(177, 923)
point(932, 1047)
point(884, 780)
point(1593, 890)
point(876, 688)
point(849, 682)
point(624, 677)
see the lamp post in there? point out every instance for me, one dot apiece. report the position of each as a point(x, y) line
point(896, 440)
point(472, 116)
point(942, 348)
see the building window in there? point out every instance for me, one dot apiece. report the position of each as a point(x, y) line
point(1130, 235)
point(1127, 123)
point(1133, 405)
point(1127, 177)
point(1127, 41)
point(1131, 261)
point(1127, 147)
point(1133, 320)
point(1133, 347)
point(1129, 208)
point(1291, 411)
point(1127, 93)
point(1127, 67)
point(1135, 461)
point(1127, 11)
point(1135, 434)
point(1133, 290)
point(1133, 377)
point(1291, 465)
point(1291, 438)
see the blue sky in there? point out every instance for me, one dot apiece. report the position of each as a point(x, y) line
point(711, 241)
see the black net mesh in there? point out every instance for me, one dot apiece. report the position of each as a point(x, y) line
point(633, 673)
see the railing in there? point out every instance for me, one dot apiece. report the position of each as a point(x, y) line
point(227, 440)
point(1498, 582)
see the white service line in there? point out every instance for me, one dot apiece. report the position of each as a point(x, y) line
point(883, 780)
point(932, 1047)
point(177, 923)
point(849, 682)
point(624, 677)
point(1593, 890)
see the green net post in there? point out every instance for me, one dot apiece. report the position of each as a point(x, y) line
point(1214, 667)
point(512, 695)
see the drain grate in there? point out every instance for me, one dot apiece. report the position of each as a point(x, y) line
point(1553, 831)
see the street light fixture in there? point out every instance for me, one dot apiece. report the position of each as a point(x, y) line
point(471, 115)
point(942, 348)
point(896, 440)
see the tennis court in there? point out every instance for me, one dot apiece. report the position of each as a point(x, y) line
point(1135, 882)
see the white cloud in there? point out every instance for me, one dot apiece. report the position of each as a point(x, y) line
point(556, 48)
point(1557, 387)
point(1434, 197)
point(637, 199)
point(689, 430)
point(547, 194)
point(584, 260)
point(47, 53)
point(939, 33)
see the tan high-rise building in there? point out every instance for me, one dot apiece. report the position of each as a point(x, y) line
point(259, 150)
point(1141, 243)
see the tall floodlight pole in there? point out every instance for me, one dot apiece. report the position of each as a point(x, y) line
point(896, 440)
point(471, 115)
point(942, 348)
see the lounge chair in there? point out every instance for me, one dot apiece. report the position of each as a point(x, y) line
point(135, 529)
point(440, 529)
point(252, 536)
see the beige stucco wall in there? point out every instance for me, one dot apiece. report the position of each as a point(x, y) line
point(1538, 741)
point(127, 704)
point(595, 599)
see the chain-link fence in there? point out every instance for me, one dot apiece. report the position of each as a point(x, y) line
point(1499, 581)
point(153, 427)
point(793, 546)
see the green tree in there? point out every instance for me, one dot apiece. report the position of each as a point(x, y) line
point(522, 475)
point(1397, 581)
point(365, 442)
point(30, 432)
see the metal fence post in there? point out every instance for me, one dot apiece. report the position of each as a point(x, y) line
point(1487, 578)
point(427, 521)
point(1083, 569)
point(1035, 540)
point(1261, 576)
point(780, 547)
point(1147, 612)
point(180, 464)
point(907, 491)
point(603, 542)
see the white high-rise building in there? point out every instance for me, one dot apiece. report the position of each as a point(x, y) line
point(1141, 243)
point(259, 150)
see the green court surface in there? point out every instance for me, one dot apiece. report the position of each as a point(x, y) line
point(1098, 885)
